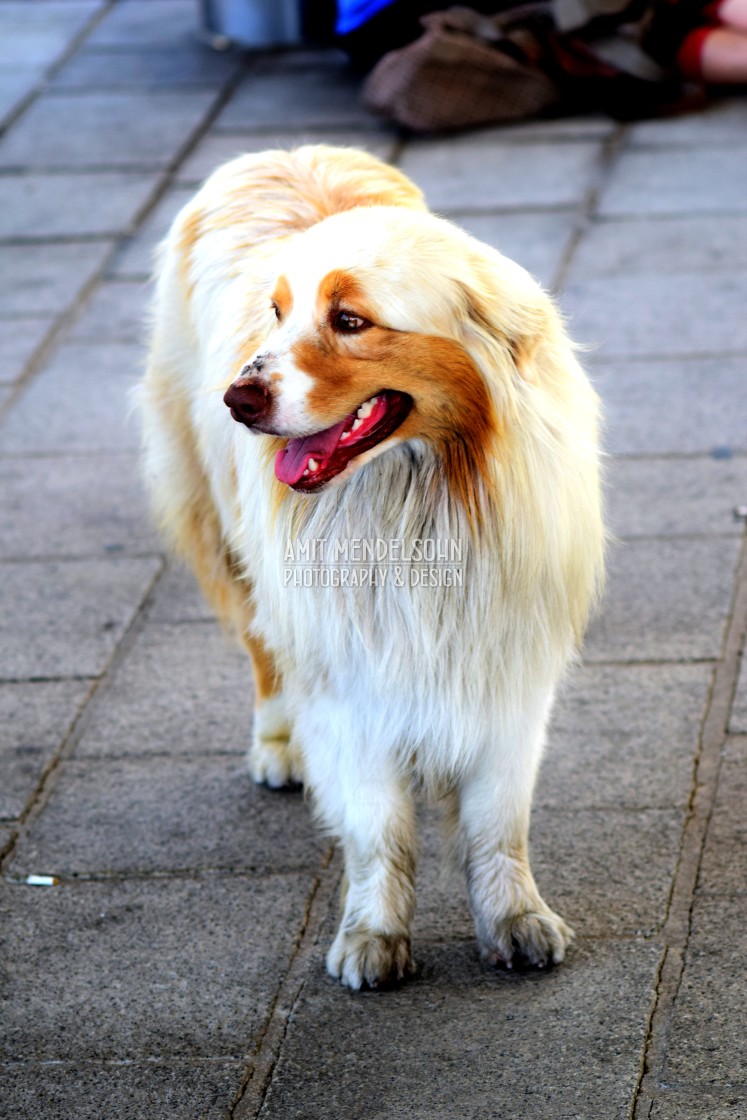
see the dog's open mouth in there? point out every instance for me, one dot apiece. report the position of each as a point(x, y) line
point(308, 462)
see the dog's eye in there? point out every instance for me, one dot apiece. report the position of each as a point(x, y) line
point(277, 311)
point(346, 322)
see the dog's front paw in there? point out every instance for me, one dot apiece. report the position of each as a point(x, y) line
point(536, 937)
point(362, 959)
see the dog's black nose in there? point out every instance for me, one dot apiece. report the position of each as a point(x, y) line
point(248, 400)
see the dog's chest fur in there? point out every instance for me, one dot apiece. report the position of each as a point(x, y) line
point(420, 669)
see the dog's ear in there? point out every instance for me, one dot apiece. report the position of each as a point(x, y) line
point(506, 306)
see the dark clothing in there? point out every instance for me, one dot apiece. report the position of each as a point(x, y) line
point(396, 25)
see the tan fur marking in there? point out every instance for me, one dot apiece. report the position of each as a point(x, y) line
point(282, 297)
point(267, 679)
point(452, 409)
point(340, 291)
point(191, 231)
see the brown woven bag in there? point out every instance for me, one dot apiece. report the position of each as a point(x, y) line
point(465, 70)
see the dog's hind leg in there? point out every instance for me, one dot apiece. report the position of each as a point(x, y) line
point(512, 920)
point(274, 758)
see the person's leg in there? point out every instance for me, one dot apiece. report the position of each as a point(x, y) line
point(723, 57)
point(716, 54)
point(733, 13)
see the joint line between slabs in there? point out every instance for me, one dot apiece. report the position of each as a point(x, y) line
point(610, 152)
point(40, 794)
point(252, 1092)
point(678, 925)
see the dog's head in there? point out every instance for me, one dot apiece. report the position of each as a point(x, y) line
point(386, 326)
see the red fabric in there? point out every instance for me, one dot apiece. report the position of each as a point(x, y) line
point(711, 11)
point(691, 51)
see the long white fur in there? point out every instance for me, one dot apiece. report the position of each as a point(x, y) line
point(392, 687)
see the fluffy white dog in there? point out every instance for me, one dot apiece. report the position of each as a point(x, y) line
point(388, 379)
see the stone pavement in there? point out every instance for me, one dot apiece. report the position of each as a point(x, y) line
point(176, 969)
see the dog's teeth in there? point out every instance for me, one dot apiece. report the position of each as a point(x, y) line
point(356, 425)
point(345, 435)
point(313, 465)
point(365, 410)
point(306, 472)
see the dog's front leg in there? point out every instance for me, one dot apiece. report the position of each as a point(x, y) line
point(512, 920)
point(366, 801)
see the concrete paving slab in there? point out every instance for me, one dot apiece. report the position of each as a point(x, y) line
point(560, 130)
point(675, 497)
point(692, 1104)
point(40, 32)
point(462, 1041)
point(682, 406)
point(648, 315)
point(15, 86)
point(44, 279)
point(182, 689)
point(20, 338)
point(608, 873)
point(128, 1091)
point(644, 183)
point(135, 258)
point(177, 67)
point(738, 723)
point(666, 600)
point(722, 122)
point(147, 815)
point(39, 281)
point(208, 953)
point(147, 25)
point(177, 598)
point(664, 245)
point(724, 866)
point(478, 172)
point(103, 204)
point(117, 311)
point(134, 128)
point(80, 402)
point(35, 719)
point(535, 240)
point(326, 95)
point(65, 618)
point(7, 836)
point(707, 1044)
point(68, 506)
point(615, 726)
point(217, 148)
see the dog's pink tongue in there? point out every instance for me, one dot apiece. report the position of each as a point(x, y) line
point(291, 462)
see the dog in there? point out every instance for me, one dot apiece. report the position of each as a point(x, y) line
point(332, 363)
